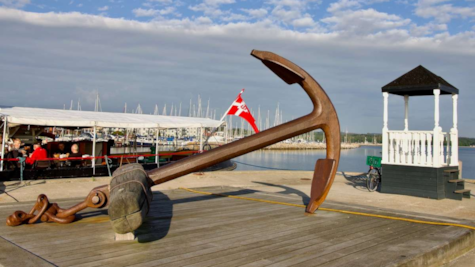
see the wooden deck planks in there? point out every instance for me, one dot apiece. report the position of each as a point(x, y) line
point(257, 233)
point(199, 239)
point(188, 229)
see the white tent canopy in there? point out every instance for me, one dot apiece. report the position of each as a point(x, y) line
point(73, 118)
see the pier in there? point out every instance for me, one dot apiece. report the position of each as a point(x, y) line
point(191, 228)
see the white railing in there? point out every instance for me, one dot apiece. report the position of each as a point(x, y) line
point(418, 148)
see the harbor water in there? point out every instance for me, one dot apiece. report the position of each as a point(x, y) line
point(351, 160)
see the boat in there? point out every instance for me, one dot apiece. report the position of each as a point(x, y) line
point(143, 141)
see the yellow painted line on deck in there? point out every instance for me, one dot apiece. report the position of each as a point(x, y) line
point(333, 210)
point(98, 219)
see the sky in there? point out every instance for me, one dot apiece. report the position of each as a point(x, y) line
point(164, 52)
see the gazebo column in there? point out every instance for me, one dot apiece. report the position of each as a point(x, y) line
point(385, 129)
point(407, 140)
point(406, 113)
point(437, 130)
point(454, 137)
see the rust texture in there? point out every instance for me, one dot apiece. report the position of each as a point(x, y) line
point(323, 116)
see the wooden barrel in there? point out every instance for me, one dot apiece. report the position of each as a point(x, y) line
point(130, 198)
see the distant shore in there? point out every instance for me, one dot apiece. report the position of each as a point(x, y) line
point(296, 146)
point(306, 146)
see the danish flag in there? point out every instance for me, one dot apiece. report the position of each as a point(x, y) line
point(239, 108)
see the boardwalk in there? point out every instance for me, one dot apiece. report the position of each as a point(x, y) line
point(189, 229)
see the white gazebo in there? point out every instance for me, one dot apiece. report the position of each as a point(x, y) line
point(416, 162)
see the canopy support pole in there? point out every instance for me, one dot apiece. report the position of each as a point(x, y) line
point(3, 141)
point(201, 139)
point(126, 130)
point(157, 160)
point(94, 152)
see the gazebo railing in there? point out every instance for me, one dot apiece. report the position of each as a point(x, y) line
point(418, 148)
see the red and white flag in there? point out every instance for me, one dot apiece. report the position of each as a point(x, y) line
point(239, 108)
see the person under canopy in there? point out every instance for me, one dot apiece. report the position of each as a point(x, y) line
point(39, 153)
point(75, 154)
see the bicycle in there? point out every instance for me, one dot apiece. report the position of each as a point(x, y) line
point(373, 177)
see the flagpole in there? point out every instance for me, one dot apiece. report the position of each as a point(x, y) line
point(226, 113)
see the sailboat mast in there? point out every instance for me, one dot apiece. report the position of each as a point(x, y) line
point(199, 113)
point(190, 112)
point(207, 110)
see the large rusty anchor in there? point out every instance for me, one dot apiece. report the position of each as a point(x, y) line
point(132, 186)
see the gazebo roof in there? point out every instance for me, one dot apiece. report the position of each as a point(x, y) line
point(419, 81)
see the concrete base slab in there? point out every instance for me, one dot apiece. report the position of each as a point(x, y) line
point(466, 260)
point(125, 237)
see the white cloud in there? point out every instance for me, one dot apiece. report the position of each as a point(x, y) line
point(162, 1)
point(442, 11)
point(364, 21)
point(351, 4)
point(234, 17)
point(158, 3)
point(286, 15)
point(203, 20)
point(288, 11)
point(140, 12)
point(212, 7)
point(256, 13)
point(304, 22)
point(104, 8)
point(207, 10)
point(427, 29)
point(15, 3)
point(343, 4)
point(218, 2)
point(79, 5)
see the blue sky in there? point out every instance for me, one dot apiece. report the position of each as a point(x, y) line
point(164, 52)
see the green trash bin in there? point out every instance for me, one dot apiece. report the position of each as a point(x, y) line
point(373, 161)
